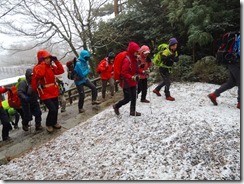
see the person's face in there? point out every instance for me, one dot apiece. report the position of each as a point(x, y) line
point(47, 60)
point(174, 47)
point(145, 54)
point(136, 53)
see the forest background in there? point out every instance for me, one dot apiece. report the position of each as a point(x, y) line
point(65, 27)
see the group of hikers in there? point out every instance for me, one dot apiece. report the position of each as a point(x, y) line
point(42, 83)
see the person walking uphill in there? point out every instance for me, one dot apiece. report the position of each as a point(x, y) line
point(82, 70)
point(169, 56)
point(128, 80)
point(4, 117)
point(29, 102)
point(105, 69)
point(43, 82)
point(234, 75)
point(145, 64)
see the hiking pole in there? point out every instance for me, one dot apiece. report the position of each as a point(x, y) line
point(150, 105)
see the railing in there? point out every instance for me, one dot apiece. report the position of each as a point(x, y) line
point(72, 93)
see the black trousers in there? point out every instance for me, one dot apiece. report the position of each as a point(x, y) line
point(81, 92)
point(233, 80)
point(31, 109)
point(52, 115)
point(129, 96)
point(5, 122)
point(142, 87)
point(165, 74)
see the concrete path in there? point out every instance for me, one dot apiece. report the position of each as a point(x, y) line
point(22, 141)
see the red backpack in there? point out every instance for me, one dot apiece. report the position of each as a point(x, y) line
point(118, 60)
point(71, 66)
point(13, 98)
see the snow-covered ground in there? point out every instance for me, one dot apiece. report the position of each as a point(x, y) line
point(188, 139)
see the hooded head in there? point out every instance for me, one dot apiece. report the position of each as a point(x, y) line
point(42, 54)
point(84, 55)
point(28, 74)
point(172, 41)
point(132, 49)
point(145, 49)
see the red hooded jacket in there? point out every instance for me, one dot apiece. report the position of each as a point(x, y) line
point(2, 90)
point(106, 69)
point(43, 80)
point(129, 66)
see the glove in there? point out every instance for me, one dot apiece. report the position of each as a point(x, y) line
point(54, 58)
point(146, 72)
point(8, 89)
point(142, 65)
point(135, 77)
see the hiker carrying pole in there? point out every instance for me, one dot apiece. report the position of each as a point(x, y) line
point(128, 79)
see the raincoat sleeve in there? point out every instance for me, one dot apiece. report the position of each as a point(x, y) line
point(58, 69)
point(82, 70)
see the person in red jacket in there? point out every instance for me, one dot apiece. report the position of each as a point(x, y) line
point(129, 78)
point(44, 83)
point(4, 118)
point(105, 69)
point(144, 65)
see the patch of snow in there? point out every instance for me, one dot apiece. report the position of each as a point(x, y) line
point(187, 139)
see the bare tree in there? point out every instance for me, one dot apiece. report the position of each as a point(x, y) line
point(53, 22)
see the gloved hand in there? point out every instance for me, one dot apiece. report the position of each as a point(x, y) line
point(54, 58)
point(8, 89)
point(146, 72)
point(142, 65)
point(135, 77)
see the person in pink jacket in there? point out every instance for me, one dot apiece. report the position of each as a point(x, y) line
point(129, 78)
point(144, 64)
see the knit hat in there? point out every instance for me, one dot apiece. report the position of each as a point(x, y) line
point(111, 55)
point(172, 41)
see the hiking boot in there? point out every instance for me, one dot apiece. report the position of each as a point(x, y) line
point(238, 105)
point(116, 110)
point(63, 110)
point(95, 102)
point(157, 92)
point(170, 98)
point(25, 127)
point(213, 97)
point(135, 113)
point(57, 126)
point(81, 110)
point(7, 138)
point(49, 129)
point(145, 101)
point(39, 128)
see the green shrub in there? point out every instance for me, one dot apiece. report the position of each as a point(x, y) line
point(208, 71)
point(182, 70)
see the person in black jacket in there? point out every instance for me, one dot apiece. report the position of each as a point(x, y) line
point(29, 102)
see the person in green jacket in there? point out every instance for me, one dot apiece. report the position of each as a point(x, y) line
point(169, 56)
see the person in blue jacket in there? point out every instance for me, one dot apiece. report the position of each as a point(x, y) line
point(82, 70)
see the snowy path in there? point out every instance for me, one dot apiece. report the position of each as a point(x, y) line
point(188, 139)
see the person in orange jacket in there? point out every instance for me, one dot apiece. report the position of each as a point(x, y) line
point(44, 83)
point(105, 69)
point(4, 118)
point(144, 65)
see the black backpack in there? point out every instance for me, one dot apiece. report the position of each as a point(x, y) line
point(225, 53)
